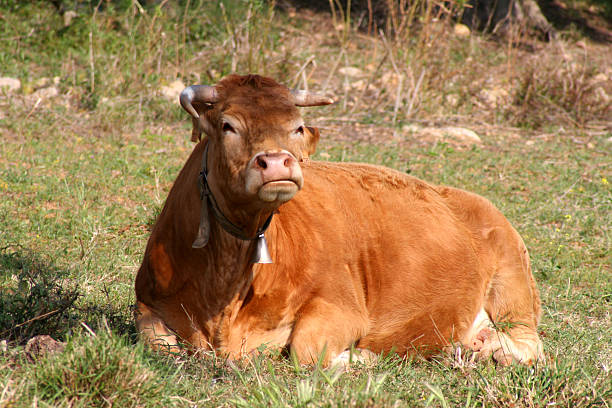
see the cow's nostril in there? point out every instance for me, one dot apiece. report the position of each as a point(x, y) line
point(287, 162)
point(262, 163)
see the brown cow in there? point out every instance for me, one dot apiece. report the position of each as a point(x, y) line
point(361, 255)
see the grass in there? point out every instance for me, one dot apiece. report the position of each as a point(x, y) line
point(83, 176)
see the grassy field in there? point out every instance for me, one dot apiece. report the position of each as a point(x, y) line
point(83, 175)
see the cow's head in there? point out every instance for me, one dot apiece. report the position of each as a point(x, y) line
point(257, 137)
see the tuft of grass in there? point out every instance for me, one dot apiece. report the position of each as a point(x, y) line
point(94, 369)
point(567, 91)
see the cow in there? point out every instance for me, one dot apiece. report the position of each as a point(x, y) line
point(257, 245)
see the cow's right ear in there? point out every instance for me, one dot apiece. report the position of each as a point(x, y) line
point(197, 100)
point(201, 123)
point(311, 139)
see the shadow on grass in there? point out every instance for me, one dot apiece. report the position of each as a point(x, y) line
point(593, 23)
point(37, 297)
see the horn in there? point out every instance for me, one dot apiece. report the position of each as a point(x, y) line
point(305, 98)
point(197, 93)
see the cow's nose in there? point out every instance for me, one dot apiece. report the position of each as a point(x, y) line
point(274, 166)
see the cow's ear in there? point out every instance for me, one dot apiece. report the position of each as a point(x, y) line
point(201, 124)
point(311, 138)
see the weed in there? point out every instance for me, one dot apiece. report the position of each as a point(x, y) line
point(36, 298)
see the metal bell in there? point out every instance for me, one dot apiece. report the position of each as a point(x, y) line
point(261, 254)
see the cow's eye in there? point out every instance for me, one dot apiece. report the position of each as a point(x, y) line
point(227, 127)
point(300, 130)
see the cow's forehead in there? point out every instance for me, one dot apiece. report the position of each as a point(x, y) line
point(262, 112)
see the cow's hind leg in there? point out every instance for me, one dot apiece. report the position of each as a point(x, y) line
point(505, 341)
point(506, 326)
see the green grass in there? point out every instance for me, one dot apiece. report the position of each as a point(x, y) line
point(81, 182)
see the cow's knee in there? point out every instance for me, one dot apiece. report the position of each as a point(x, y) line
point(153, 331)
point(325, 330)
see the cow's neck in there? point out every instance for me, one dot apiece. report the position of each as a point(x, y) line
point(243, 224)
point(238, 219)
point(259, 253)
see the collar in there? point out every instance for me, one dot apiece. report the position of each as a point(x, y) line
point(261, 254)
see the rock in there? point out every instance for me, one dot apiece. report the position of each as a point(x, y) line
point(46, 93)
point(461, 30)
point(390, 79)
point(452, 100)
point(173, 90)
point(599, 78)
point(352, 72)
point(358, 85)
point(494, 97)
point(9, 84)
point(602, 96)
point(41, 83)
point(462, 135)
point(40, 345)
point(452, 134)
point(412, 128)
point(68, 17)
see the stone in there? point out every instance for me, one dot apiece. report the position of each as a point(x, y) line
point(357, 85)
point(494, 97)
point(68, 17)
point(172, 90)
point(41, 83)
point(601, 77)
point(9, 84)
point(412, 128)
point(352, 72)
point(40, 345)
point(452, 134)
point(462, 135)
point(452, 100)
point(390, 79)
point(602, 96)
point(461, 30)
point(46, 93)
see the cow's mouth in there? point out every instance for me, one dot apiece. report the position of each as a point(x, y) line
point(278, 190)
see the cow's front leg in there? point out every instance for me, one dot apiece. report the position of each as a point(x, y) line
point(153, 330)
point(323, 327)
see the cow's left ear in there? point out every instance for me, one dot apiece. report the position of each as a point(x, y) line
point(311, 138)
